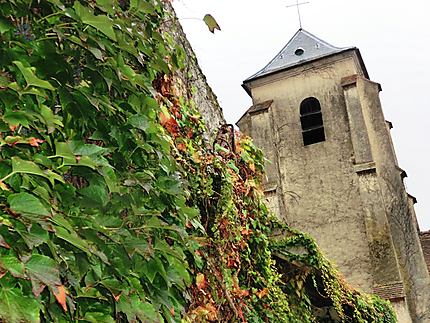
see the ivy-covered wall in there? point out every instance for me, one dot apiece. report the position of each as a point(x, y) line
point(115, 207)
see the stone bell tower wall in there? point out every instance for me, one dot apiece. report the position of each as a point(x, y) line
point(318, 182)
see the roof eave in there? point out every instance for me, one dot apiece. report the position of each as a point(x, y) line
point(246, 88)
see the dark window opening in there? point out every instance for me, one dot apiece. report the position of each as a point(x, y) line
point(312, 122)
point(299, 51)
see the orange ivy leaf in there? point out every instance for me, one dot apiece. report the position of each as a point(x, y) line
point(3, 186)
point(246, 232)
point(200, 281)
point(60, 295)
point(262, 293)
point(163, 118)
point(35, 142)
point(245, 292)
point(212, 315)
point(181, 146)
point(196, 157)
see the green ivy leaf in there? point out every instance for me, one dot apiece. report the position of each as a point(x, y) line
point(177, 272)
point(13, 265)
point(34, 236)
point(95, 195)
point(106, 6)
point(32, 90)
point(20, 166)
point(15, 118)
point(96, 52)
point(25, 203)
point(110, 178)
point(5, 26)
point(142, 5)
point(152, 268)
point(169, 185)
point(31, 78)
point(139, 121)
point(42, 271)
point(97, 317)
point(15, 307)
point(82, 149)
point(52, 121)
point(100, 22)
point(73, 239)
point(136, 309)
point(65, 151)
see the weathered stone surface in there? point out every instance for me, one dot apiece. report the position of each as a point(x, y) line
point(192, 79)
point(425, 242)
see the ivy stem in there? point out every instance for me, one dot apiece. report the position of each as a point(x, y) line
point(7, 176)
point(49, 16)
point(46, 38)
point(226, 292)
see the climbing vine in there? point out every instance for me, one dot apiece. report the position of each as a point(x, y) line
point(114, 206)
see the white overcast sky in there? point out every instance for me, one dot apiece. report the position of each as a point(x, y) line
point(393, 37)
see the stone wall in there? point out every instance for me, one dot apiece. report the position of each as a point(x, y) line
point(425, 243)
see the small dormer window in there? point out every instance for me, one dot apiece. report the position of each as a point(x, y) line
point(312, 122)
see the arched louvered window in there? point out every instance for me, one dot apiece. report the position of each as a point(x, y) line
point(312, 122)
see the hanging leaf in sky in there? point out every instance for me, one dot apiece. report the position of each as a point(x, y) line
point(211, 23)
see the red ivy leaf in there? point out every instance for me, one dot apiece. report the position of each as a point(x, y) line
point(170, 124)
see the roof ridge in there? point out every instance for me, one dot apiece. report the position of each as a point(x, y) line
point(320, 40)
point(311, 46)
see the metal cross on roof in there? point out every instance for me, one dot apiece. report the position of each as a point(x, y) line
point(298, 4)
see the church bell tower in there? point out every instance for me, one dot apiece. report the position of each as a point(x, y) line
point(333, 172)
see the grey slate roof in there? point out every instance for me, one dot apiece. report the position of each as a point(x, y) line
point(302, 48)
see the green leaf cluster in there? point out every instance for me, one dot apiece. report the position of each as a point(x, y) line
point(94, 210)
